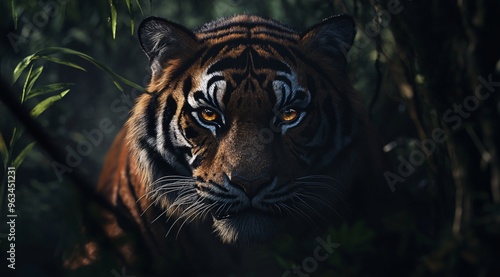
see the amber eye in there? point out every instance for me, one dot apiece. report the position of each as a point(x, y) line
point(289, 114)
point(208, 115)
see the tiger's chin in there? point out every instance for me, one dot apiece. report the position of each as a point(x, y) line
point(246, 228)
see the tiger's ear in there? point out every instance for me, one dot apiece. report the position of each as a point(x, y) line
point(333, 37)
point(163, 41)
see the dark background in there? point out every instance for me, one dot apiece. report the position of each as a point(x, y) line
point(417, 65)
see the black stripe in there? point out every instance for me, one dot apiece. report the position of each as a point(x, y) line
point(232, 43)
point(211, 52)
point(277, 35)
point(227, 94)
point(240, 62)
point(285, 52)
point(151, 116)
point(216, 26)
point(272, 96)
point(259, 62)
point(168, 114)
point(199, 95)
point(213, 80)
point(187, 85)
point(190, 132)
point(213, 99)
point(221, 34)
point(287, 98)
point(159, 166)
point(274, 34)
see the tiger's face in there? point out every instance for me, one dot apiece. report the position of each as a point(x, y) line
point(245, 123)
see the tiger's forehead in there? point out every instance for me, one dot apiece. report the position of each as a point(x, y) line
point(242, 61)
point(246, 27)
point(244, 56)
point(247, 45)
point(245, 73)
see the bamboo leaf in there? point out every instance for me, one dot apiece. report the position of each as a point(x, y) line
point(112, 6)
point(97, 64)
point(118, 85)
point(13, 138)
point(42, 106)
point(14, 13)
point(47, 52)
point(34, 77)
point(132, 26)
point(129, 5)
point(25, 86)
point(131, 15)
point(4, 153)
point(20, 158)
point(139, 5)
point(63, 62)
point(16, 135)
point(47, 89)
point(21, 66)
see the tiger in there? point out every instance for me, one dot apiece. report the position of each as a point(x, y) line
point(248, 130)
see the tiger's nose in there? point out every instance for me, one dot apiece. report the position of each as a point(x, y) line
point(250, 186)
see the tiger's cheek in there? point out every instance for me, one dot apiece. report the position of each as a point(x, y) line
point(203, 150)
point(209, 171)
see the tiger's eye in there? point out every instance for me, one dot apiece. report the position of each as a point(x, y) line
point(208, 115)
point(289, 114)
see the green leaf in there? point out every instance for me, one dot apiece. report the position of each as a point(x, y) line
point(112, 6)
point(63, 62)
point(42, 106)
point(4, 153)
point(47, 52)
point(21, 66)
point(17, 133)
point(96, 63)
point(34, 76)
point(118, 85)
point(25, 86)
point(139, 5)
point(14, 13)
point(47, 89)
point(13, 138)
point(131, 14)
point(20, 158)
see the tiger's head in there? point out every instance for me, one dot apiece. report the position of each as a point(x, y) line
point(247, 123)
